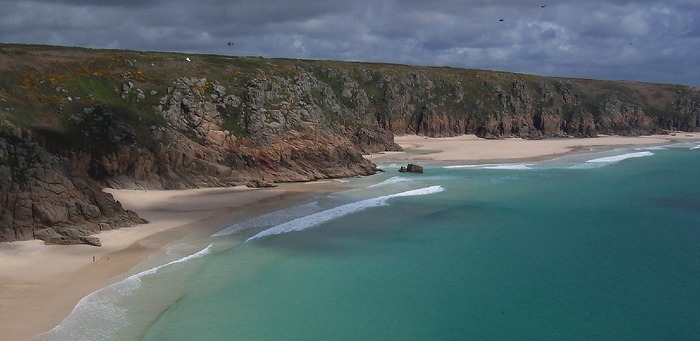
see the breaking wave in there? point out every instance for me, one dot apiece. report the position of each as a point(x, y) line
point(97, 316)
point(308, 221)
point(391, 181)
point(271, 219)
point(505, 166)
point(618, 158)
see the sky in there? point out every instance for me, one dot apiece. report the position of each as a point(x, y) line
point(645, 40)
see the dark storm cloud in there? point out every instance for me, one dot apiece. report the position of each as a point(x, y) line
point(645, 40)
point(95, 3)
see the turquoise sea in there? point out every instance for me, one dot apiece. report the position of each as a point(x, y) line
point(602, 245)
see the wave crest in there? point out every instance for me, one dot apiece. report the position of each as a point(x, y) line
point(271, 219)
point(97, 315)
point(618, 158)
point(505, 166)
point(308, 221)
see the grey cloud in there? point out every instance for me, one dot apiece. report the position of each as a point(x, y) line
point(437, 44)
point(567, 38)
point(91, 3)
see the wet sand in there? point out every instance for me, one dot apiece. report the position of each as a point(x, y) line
point(41, 284)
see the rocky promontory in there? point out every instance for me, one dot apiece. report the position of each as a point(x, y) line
point(43, 197)
point(75, 120)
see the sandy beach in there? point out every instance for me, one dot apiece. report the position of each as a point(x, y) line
point(40, 284)
point(472, 149)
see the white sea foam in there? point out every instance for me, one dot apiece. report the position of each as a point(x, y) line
point(504, 166)
point(271, 219)
point(97, 315)
point(466, 166)
point(318, 218)
point(690, 145)
point(201, 253)
point(390, 165)
point(618, 158)
point(511, 166)
point(391, 181)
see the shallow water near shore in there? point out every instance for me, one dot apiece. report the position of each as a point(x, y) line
point(601, 245)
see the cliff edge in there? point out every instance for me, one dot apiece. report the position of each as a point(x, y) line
point(73, 120)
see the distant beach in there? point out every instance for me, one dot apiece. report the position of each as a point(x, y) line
point(470, 148)
point(40, 284)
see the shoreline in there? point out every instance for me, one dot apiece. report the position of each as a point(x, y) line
point(41, 284)
point(471, 149)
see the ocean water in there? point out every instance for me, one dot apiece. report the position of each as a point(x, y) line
point(603, 245)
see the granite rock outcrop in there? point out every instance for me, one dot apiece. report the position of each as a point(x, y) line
point(77, 119)
point(42, 197)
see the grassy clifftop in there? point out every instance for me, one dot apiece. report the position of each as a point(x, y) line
point(73, 119)
point(42, 86)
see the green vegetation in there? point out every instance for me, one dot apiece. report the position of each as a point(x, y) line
point(233, 123)
point(97, 89)
point(46, 88)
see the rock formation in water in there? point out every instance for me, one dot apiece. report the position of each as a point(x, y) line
point(77, 119)
point(411, 168)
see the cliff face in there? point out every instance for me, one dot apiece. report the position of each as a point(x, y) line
point(495, 105)
point(43, 197)
point(160, 120)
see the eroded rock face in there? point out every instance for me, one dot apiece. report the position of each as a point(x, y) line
point(136, 122)
point(42, 197)
point(284, 142)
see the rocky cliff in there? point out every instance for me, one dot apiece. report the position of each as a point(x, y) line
point(80, 119)
point(43, 197)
